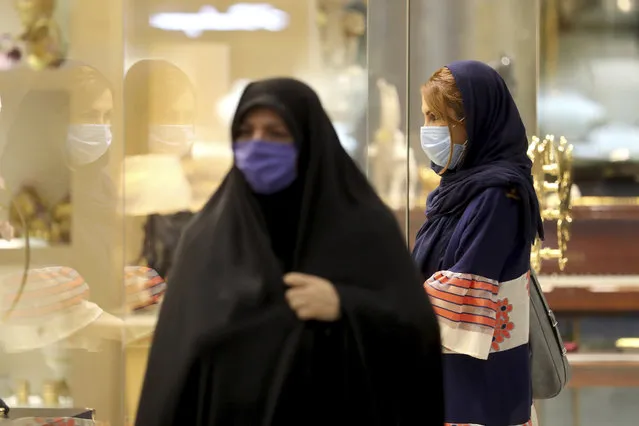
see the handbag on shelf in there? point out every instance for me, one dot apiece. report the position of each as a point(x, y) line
point(549, 361)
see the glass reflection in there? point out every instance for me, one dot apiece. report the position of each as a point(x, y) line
point(159, 125)
point(57, 128)
point(41, 34)
point(160, 108)
point(40, 163)
point(340, 75)
point(588, 84)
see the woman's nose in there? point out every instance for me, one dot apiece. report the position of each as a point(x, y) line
point(258, 134)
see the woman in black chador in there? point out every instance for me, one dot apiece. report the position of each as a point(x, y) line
point(293, 299)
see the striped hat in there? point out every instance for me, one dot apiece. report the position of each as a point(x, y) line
point(144, 289)
point(53, 306)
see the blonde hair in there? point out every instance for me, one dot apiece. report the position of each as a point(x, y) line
point(440, 93)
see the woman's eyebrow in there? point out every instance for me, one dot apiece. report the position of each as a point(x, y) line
point(276, 126)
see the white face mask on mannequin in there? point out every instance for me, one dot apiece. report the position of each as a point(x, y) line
point(172, 139)
point(86, 143)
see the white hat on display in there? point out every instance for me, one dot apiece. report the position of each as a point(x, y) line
point(52, 308)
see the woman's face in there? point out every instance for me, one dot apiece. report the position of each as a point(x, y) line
point(458, 133)
point(266, 125)
point(177, 111)
point(97, 112)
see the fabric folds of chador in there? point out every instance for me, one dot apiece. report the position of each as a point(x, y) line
point(478, 315)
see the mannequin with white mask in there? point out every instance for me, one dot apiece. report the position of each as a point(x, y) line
point(160, 106)
point(160, 110)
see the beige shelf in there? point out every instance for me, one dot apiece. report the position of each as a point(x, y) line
point(595, 283)
point(577, 359)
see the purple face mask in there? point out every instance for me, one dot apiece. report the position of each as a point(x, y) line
point(268, 167)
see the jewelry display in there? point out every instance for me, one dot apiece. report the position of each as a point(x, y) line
point(340, 77)
point(344, 94)
point(354, 24)
point(331, 34)
point(54, 326)
point(8, 233)
point(56, 391)
point(342, 28)
point(50, 393)
point(23, 391)
point(41, 34)
point(552, 175)
point(389, 154)
point(50, 224)
point(10, 53)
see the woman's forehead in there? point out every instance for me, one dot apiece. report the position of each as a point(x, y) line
point(262, 115)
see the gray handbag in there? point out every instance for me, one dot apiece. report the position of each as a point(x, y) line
point(550, 367)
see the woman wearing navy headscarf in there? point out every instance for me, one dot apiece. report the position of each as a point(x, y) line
point(474, 248)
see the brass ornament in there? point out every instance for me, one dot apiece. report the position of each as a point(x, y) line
point(41, 34)
point(552, 179)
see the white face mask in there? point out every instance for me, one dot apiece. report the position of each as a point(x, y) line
point(86, 143)
point(436, 144)
point(172, 139)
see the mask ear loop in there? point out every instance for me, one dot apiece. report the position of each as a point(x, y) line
point(66, 156)
point(450, 152)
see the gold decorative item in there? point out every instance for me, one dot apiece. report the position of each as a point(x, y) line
point(23, 390)
point(50, 393)
point(45, 47)
point(552, 178)
point(42, 222)
point(61, 221)
point(9, 230)
point(38, 222)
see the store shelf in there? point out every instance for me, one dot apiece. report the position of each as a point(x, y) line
point(604, 370)
point(588, 359)
point(595, 283)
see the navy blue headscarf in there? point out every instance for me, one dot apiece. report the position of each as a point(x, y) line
point(495, 157)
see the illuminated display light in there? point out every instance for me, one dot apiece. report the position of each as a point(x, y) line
point(238, 17)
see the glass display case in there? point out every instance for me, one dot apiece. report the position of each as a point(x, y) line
point(114, 131)
point(61, 148)
point(589, 55)
point(588, 82)
point(588, 51)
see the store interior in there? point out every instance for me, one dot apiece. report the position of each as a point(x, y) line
point(114, 132)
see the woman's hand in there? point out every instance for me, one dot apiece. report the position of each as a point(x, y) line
point(312, 297)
